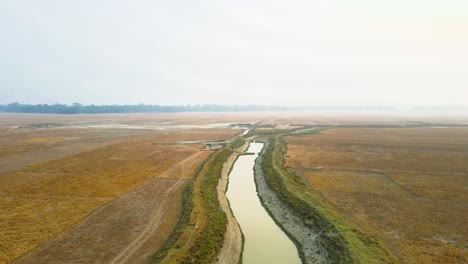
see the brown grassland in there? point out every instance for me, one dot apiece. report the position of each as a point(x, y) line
point(132, 188)
point(406, 186)
point(101, 194)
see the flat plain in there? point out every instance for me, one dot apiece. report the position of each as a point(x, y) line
point(97, 187)
point(108, 188)
point(406, 186)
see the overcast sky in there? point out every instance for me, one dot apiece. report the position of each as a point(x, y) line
point(329, 52)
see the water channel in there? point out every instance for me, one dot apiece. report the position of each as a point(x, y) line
point(264, 242)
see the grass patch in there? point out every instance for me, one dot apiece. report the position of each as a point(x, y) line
point(237, 143)
point(271, 132)
point(199, 234)
point(343, 242)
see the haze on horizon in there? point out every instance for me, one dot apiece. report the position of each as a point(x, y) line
point(235, 52)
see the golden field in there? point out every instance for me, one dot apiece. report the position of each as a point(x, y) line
point(102, 193)
point(108, 188)
point(406, 186)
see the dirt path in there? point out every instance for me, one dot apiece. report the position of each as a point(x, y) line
point(231, 251)
point(148, 231)
point(126, 230)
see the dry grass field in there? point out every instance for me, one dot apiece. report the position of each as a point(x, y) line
point(76, 194)
point(29, 147)
point(406, 186)
point(288, 119)
point(153, 119)
point(107, 188)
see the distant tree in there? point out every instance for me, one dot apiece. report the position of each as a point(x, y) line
point(77, 108)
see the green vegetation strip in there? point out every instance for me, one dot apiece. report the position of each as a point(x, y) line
point(207, 246)
point(342, 240)
point(200, 201)
point(237, 143)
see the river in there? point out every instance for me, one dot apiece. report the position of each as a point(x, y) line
point(264, 241)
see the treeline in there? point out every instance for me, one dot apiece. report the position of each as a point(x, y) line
point(77, 108)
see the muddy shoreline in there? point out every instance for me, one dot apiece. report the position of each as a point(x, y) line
point(231, 252)
point(303, 237)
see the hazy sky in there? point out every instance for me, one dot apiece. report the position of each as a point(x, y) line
point(329, 52)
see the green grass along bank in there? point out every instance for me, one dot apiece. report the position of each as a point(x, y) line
point(339, 240)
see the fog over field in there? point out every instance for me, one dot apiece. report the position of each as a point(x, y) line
point(290, 53)
point(229, 132)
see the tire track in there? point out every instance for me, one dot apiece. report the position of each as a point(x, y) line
point(155, 220)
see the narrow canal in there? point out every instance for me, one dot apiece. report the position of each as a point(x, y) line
point(264, 242)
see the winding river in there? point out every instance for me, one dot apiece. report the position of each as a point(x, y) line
point(264, 242)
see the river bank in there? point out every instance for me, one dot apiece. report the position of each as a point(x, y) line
point(320, 233)
point(231, 251)
point(305, 238)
